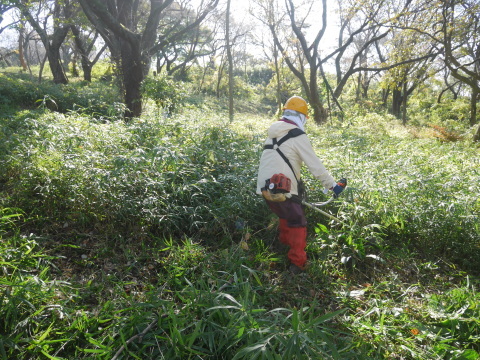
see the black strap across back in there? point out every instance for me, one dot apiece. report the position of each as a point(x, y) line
point(276, 146)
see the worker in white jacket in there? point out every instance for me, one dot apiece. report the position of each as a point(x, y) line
point(285, 157)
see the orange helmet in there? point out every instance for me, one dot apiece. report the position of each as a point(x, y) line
point(298, 104)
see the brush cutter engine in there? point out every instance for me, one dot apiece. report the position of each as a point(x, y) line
point(276, 188)
point(278, 183)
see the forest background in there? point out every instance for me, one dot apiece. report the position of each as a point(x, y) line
point(129, 142)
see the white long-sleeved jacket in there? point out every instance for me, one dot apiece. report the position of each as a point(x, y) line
point(298, 150)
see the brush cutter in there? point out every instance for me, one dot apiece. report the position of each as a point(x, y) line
point(277, 189)
point(315, 207)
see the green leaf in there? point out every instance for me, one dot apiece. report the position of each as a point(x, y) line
point(42, 337)
point(50, 356)
point(469, 354)
point(249, 351)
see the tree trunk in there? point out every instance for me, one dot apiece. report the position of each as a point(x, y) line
point(204, 74)
point(220, 76)
point(359, 85)
point(404, 105)
point(230, 63)
point(385, 95)
point(365, 85)
point(473, 106)
point(21, 55)
point(132, 69)
point(87, 72)
point(42, 66)
point(53, 53)
point(74, 70)
point(277, 72)
point(85, 61)
point(476, 137)
point(320, 114)
point(59, 76)
point(397, 100)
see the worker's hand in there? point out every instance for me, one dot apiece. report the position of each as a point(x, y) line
point(337, 189)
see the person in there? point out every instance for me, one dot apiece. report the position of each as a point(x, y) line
point(287, 135)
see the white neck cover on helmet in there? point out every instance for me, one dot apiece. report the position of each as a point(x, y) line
point(297, 117)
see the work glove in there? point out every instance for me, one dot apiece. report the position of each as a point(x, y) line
point(337, 189)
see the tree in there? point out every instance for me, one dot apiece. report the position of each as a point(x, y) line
point(460, 37)
point(265, 12)
point(59, 11)
point(130, 30)
point(454, 27)
point(310, 52)
point(300, 56)
point(454, 87)
point(22, 45)
point(85, 45)
point(215, 51)
point(86, 42)
point(362, 26)
point(405, 45)
point(376, 38)
point(207, 62)
point(230, 62)
point(178, 56)
point(5, 6)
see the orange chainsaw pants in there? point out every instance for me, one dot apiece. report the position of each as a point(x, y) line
point(293, 231)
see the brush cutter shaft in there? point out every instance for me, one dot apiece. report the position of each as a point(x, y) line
point(314, 207)
point(311, 206)
point(284, 196)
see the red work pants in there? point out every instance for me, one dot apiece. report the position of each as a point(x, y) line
point(293, 231)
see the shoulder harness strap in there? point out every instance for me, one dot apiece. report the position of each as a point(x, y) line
point(276, 146)
point(291, 134)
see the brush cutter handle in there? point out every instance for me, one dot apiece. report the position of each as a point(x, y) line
point(342, 182)
point(325, 202)
point(337, 189)
point(313, 206)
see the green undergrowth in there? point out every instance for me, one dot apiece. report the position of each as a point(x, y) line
point(145, 240)
point(98, 98)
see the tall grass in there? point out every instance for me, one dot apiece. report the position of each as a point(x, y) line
point(197, 312)
point(416, 193)
point(161, 176)
point(100, 98)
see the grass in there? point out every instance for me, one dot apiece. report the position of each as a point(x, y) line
point(98, 99)
point(146, 240)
